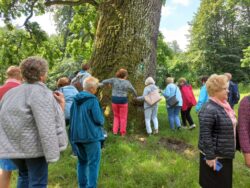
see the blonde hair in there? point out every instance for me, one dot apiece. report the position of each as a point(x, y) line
point(216, 83)
point(169, 80)
point(149, 80)
point(90, 82)
point(182, 79)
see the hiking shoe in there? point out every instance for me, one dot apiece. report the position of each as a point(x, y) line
point(192, 126)
point(156, 131)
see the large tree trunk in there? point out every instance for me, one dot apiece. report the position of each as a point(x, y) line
point(126, 37)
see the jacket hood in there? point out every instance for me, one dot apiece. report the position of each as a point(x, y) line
point(83, 96)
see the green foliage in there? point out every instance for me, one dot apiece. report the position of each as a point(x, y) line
point(245, 62)
point(18, 44)
point(11, 10)
point(77, 26)
point(67, 67)
point(220, 31)
point(164, 55)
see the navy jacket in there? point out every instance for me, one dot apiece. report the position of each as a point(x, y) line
point(86, 119)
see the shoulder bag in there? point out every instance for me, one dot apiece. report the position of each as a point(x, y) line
point(172, 101)
point(153, 97)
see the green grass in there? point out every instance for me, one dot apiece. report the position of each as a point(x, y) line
point(138, 161)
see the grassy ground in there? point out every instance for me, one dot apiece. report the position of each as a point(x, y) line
point(138, 161)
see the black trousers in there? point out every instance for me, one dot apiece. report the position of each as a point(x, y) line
point(208, 178)
point(186, 116)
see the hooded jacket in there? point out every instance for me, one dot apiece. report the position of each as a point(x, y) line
point(86, 120)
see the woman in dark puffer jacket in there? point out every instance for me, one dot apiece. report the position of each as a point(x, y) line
point(217, 136)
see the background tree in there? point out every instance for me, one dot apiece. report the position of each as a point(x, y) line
point(220, 31)
point(125, 36)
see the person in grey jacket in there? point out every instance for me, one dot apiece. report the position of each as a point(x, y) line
point(150, 112)
point(120, 88)
point(217, 135)
point(32, 125)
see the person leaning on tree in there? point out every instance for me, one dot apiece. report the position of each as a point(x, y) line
point(150, 112)
point(217, 136)
point(14, 79)
point(32, 125)
point(120, 87)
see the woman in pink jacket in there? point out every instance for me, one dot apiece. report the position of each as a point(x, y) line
point(188, 102)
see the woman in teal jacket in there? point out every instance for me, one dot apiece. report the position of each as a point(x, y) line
point(86, 134)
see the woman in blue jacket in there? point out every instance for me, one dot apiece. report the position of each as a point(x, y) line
point(69, 91)
point(173, 112)
point(86, 134)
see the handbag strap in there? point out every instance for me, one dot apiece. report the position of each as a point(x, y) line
point(175, 90)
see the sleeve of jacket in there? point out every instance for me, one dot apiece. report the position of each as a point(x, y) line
point(42, 106)
point(132, 89)
point(97, 113)
point(146, 91)
point(207, 120)
point(107, 81)
point(202, 99)
point(166, 92)
point(244, 125)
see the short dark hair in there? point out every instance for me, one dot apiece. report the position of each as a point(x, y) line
point(121, 73)
point(204, 78)
point(32, 68)
point(85, 66)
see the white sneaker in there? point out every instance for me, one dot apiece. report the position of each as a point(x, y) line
point(192, 126)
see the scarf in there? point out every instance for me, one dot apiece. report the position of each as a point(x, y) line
point(230, 112)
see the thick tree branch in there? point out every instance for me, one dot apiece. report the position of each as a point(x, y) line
point(31, 13)
point(71, 3)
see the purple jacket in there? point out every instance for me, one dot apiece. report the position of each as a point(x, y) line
point(244, 125)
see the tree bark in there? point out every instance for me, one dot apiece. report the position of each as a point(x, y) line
point(126, 37)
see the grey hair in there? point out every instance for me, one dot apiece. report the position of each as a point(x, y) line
point(149, 80)
point(33, 68)
point(90, 82)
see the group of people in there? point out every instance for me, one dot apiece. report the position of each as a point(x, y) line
point(33, 122)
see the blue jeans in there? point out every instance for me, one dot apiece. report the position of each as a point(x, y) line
point(173, 116)
point(89, 155)
point(33, 172)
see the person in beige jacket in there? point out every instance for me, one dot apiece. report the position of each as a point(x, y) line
point(32, 125)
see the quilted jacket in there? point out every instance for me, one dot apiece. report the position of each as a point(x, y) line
point(31, 124)
point(216, 132)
